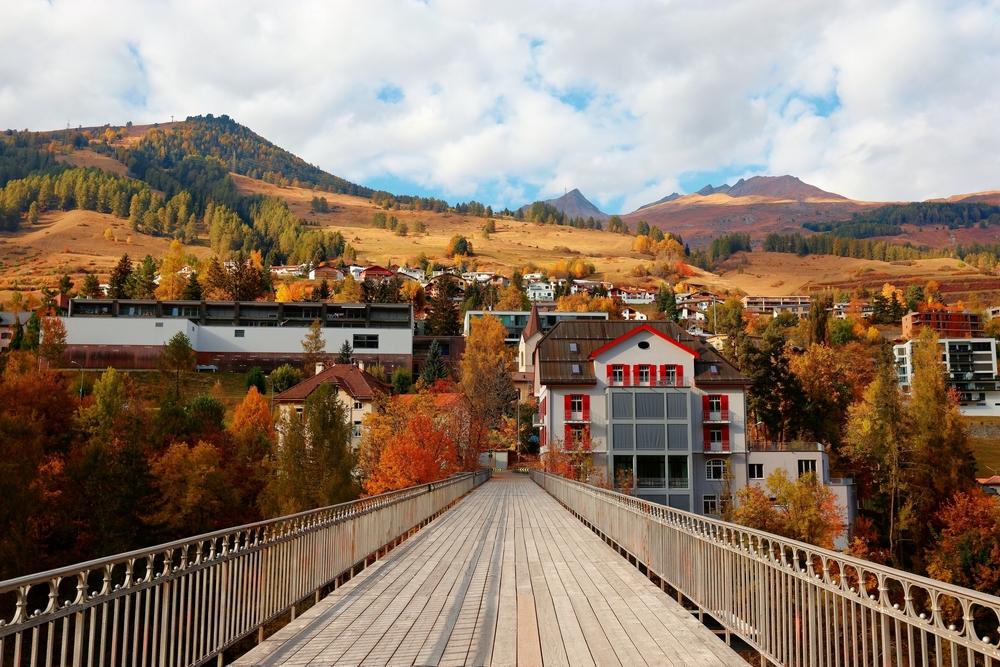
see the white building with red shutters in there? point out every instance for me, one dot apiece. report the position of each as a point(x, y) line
point(653, 401)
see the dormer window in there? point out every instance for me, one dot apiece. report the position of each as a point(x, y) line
point(573, 347)
point(575, 369)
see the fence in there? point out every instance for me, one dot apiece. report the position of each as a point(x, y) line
point(185, 602)
point(794, 603)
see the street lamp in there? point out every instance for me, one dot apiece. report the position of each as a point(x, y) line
point(81, 379)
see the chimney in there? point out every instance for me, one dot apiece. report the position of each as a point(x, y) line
point(320, 367)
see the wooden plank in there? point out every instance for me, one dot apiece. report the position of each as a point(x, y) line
point(506, 577)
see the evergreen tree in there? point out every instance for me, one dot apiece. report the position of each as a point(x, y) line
point(32, 333)
point(17, 338)
point(345, 356)
point(256, 378)
point(666, 303)
point(119, 282)
point(819, 316)
point(442, 314)
point(91, 286)
point(434, 367)
point(65, 285)
point(177, 360)
point(142, 282)
point(33, 213)
point(192, 289)
point(775, 398)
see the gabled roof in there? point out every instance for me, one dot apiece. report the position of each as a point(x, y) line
point(533, 326)
point(358, 384)
point(556, 360)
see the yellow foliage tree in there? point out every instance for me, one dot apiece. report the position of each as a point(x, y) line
point(583, 302)
point(349, 292)
point(291, 291)
point(486, 367)
point(171, 282)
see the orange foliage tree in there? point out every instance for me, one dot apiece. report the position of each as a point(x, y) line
point(804, 509)
point(422, 452)
point(968, 550)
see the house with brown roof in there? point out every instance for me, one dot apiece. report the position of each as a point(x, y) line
point(357, 390)
point(654, 403)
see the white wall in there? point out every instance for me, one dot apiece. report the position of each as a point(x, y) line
point(127, 330)
point(153, 331)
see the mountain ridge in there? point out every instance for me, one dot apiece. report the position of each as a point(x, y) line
point(574, 205)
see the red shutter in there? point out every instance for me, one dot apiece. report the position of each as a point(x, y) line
point(586, 407)
point(706, 437)
point(610, 369)
point(725, 405)
point(567, 436)
point(541, 435)
point(725, 438)
point(704, 406)
point(635, 374)
point(679, 375)
point(567, 406)
point(663, 374)
point(627, 375)
point(541, 408)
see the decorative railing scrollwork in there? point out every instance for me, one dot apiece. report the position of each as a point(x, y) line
point(795, 603)
point(185, 602)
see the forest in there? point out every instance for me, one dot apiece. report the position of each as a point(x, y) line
point(888, 220)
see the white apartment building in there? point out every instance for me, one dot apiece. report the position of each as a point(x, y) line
point(541, 291)
point(775, 305)
point(971, 364)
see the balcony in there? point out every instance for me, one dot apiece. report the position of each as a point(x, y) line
point(577, 416)
point(650, 482)
point(716, 417)
point(718, 447)
point(666, 382)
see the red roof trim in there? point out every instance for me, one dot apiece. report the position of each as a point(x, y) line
point(632, 332)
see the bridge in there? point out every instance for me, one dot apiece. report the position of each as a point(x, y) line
point(513, 570)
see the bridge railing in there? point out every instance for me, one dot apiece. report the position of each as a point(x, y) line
point(794, 603)
point(185, 602)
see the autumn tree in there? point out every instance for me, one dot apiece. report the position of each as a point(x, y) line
point(513, 297)
point(486, 370)
point(943, 463)
point(803, 509)
point(172, 283)
point(349, 291)
point(422, 452)
point(967, 552)
point(824, 376)
point(52, 348)
point(313, 347)
point(194, 494)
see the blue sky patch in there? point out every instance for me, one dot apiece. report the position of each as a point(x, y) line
point(390, 94)
point(692, 181)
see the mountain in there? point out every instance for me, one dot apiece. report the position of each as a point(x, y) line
point(574, 205)
point(778, 187)
point(672, 196)
point(758, 205)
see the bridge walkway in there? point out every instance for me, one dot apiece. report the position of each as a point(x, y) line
point(506, 577)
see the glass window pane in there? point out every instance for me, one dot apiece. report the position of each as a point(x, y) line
point(622, 436)
point(649, 406)
point(677, 437)
point(621, 405)
point(649, 436)
point(677, 406)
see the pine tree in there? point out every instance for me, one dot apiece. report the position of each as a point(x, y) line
point(434, 366)
point(442, 315)
point(142, 282)
point(666, 302)
point(192, 289)
point(177, 359)
point(33, 213)
point(91, 286)
point(346, 353)
point(119, 281)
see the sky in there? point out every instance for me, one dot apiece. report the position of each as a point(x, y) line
point(508, 102)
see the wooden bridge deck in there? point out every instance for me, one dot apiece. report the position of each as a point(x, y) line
point(506, 577)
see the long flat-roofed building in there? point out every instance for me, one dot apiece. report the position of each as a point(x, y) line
point(234, 334)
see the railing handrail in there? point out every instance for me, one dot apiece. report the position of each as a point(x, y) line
point(635, 503)
point(379, 500)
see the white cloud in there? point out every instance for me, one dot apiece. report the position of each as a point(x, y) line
point(672, 87)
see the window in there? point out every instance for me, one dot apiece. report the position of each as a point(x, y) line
point(715, 404)
point(644, 345)
point(357, 429)
point(576, 403)
point(677, 472)
point(670, 379)
point(617, 374)
point(715, 436)
point(238, 333)
point(298, 409)
point(807, 466)
point(755, 471)
point(578, 435)
point(715, 469)
point(158, 325)
point(365, 341)
point(357, 405)
point(573, 347)
point(575, 369)
point(710, 504)
point(644, 374)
